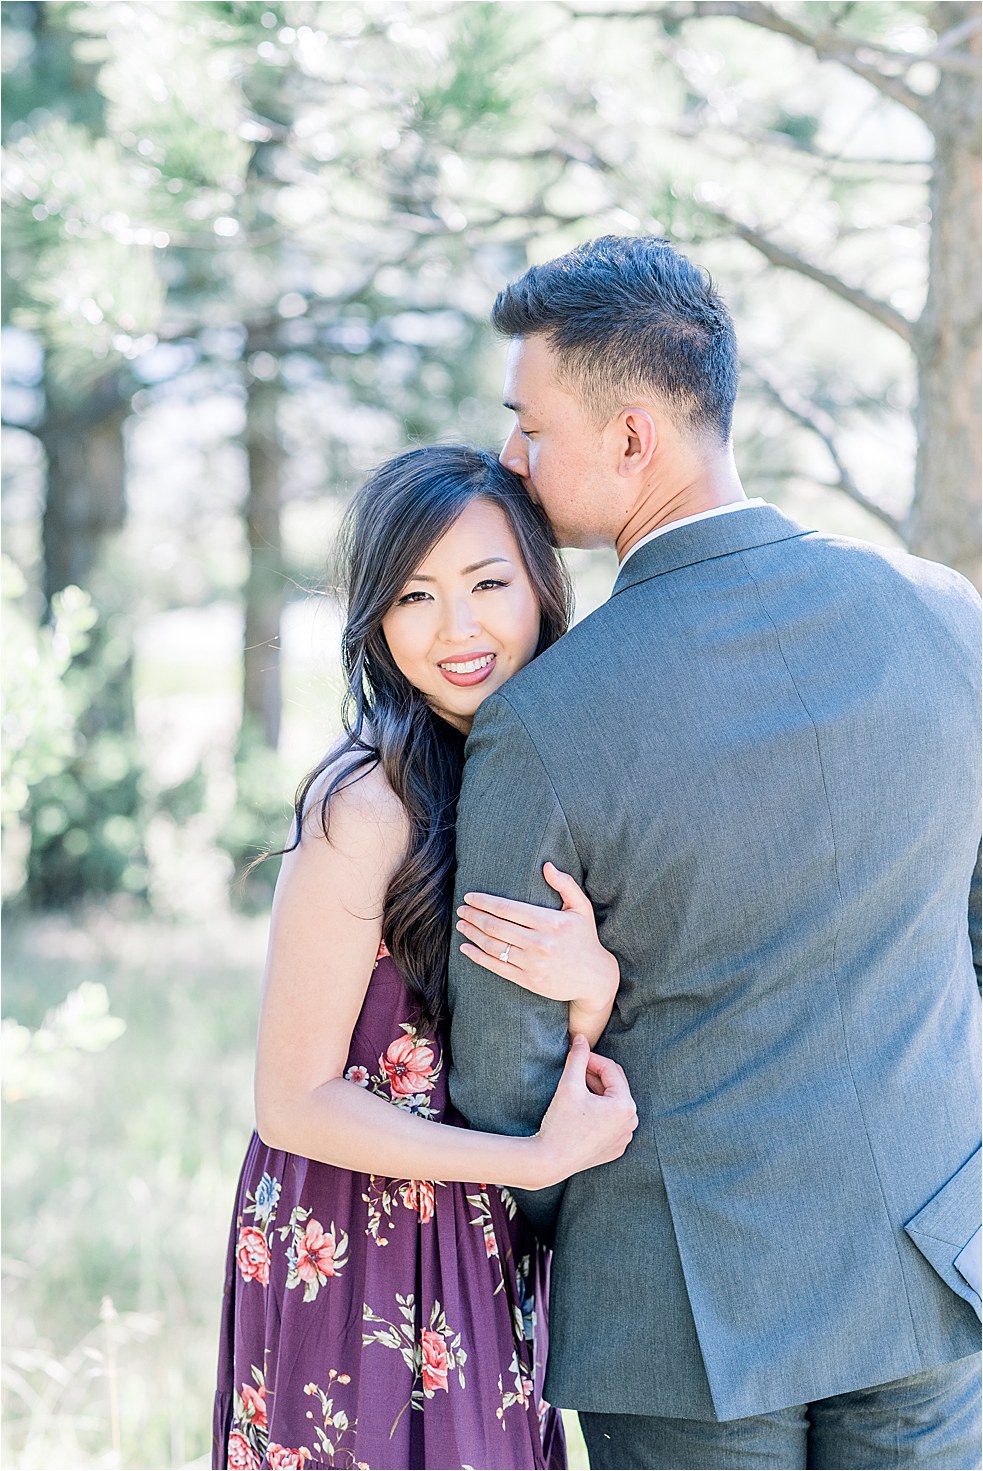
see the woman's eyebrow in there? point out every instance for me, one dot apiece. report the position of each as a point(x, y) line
point(475, 567)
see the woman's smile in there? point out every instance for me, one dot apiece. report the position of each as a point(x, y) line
point(472, 670)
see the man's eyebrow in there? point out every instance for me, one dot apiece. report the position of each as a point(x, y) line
point(516, 408)
point(475, 567)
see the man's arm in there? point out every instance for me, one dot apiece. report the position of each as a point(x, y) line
point(507, 1045)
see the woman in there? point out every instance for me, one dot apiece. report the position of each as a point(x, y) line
point(384, 1301)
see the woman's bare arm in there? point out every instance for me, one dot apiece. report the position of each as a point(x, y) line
point(324, 938)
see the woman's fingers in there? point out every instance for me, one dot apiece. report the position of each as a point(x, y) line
point(493, 935)
point(504, 968)
point(489, 962)
point(508, 970)
point(609, 1076)
point(568, 889)
point(532, 916)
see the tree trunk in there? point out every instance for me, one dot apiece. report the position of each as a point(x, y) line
point(86, 820)
point(86, 483)
point(264, 593)
point(944, 524)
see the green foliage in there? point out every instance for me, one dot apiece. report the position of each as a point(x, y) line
point(478, 82)
point(39, 1064)
point(86, 818)
point(39, 707)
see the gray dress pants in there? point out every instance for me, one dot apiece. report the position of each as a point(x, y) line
point(928, 1421)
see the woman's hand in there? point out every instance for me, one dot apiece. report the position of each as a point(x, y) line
point(552, 952)
point(590, 1120)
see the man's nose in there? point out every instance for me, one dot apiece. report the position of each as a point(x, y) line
point(513, 455)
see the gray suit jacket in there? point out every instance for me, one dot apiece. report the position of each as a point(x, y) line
point(760, 759)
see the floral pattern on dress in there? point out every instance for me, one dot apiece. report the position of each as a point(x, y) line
point(384, 1196)
point(286, 1458)
point(253, 1244)
point(407, 1073)
point(525, 1308)
point(430, 1357)
point(521, 1388)
point(250, 1433)
point(314, 1254)
point(253, 1255)
point(335, 1423)
point(481, 1203)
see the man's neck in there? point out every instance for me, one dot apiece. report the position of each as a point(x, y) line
point(714, 483)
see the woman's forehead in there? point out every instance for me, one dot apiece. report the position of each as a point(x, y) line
point(481, 532)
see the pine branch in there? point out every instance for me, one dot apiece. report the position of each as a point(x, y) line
point(821, 425)
point(827, 47)
point(795, 151)
point(780, 255)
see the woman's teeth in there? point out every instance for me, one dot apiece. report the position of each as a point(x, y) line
point(470, 666)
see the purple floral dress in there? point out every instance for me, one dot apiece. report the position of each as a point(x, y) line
point(377, 1323)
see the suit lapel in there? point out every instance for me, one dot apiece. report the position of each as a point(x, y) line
point(702, 541)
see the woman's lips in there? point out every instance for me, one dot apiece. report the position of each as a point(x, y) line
point(476, 676)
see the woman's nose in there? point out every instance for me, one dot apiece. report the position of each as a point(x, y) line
point(513, 455)
point(459, 622)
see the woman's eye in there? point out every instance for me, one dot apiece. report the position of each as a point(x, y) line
point(490, 582)
point(410, 597)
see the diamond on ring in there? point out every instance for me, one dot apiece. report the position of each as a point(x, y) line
point(504, 955)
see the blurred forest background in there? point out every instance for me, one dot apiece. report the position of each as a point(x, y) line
point(249, 252)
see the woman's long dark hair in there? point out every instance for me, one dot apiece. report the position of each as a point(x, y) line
point(393, 522)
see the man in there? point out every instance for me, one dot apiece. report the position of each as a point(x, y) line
point(760, 759)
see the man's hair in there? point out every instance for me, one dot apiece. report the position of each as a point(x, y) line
point(629, 317)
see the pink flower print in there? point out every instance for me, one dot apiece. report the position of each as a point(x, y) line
point(359, 1075)
point(408, 1065)
point(491, 1241)
point(241, 1455)
point(282, 1458)
point(419, 1196)
point(383, 951)
point(434, 1361)
point(254, 1403)
point(253, 1256)
point(315, 1255)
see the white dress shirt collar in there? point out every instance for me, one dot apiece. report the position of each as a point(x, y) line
point(689, 520)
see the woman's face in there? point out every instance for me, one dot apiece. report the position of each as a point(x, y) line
point(469, 616)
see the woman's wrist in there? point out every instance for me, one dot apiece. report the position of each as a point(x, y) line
point(534, 1168)
point(602, 998)
point(591, 1014)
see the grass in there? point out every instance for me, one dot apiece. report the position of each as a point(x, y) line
point(118, 1188)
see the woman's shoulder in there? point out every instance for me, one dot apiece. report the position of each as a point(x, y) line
point(361, 806)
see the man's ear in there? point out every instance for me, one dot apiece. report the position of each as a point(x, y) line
point(639, 438)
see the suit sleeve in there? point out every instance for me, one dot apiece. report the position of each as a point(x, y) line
point(507, 1045)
